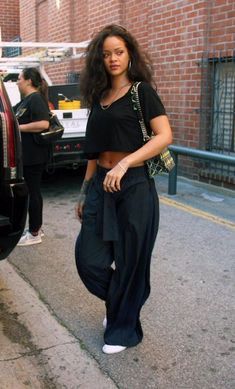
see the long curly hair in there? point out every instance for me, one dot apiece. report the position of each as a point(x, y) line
point(94, 78)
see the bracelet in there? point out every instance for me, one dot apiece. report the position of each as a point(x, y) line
point(123, 168)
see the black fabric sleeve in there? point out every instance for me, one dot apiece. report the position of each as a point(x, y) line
point(90, 156)
point(151, 103)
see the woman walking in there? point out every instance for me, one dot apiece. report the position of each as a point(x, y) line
point(32, 113)
point(118, 203)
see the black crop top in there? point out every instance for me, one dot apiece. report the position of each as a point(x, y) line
point(117, 128)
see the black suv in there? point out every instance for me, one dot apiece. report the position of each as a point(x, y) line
point(13, 190)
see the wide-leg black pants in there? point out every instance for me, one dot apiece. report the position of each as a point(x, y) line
point(119, 229)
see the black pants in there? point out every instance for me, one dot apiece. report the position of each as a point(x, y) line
point(119, 228)
point(33, 177)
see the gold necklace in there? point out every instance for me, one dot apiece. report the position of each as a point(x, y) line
point(104, 107)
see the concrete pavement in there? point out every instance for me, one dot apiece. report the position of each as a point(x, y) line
point(36, 351)
point(215, 201)
point(188, 320)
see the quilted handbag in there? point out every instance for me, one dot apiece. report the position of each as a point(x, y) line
point(162, 163)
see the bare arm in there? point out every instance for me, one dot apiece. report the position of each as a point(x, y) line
point(34, 126)
point(161, 128)
point(90, 171)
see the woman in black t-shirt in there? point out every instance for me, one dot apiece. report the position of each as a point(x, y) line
point(32, 113)
point(118, 202)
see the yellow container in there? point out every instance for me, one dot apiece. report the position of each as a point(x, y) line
point(75, 104)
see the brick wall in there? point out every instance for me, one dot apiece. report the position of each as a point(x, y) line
point(9, 19)
point(175, 33)
point(221, 26)
point(28, 25)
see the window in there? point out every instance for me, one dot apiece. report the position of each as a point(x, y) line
point(12, 51)
point(223, 123)
point(217, 113)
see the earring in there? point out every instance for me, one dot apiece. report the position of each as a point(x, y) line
point(129, 65)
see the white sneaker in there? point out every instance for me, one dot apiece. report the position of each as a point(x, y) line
point(29, 239)
point(109, 349)
point(41, 232)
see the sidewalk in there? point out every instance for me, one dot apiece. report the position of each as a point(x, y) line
point(211, 199)
point(186, 320)
point(36, 351)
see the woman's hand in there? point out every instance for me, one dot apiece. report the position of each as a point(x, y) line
point(112, 181)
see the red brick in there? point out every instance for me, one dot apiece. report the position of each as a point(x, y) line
point(174, 33)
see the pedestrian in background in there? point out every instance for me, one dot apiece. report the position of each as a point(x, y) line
point(32, 113)
point(118, 203)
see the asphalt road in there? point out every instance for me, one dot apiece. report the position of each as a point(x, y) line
point(188, 321)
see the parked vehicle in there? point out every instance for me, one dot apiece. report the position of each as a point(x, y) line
point(64, 98)
point(68, 151)
point(64, 102)
point(13, 190)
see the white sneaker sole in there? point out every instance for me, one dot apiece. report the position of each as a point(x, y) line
point(108, 349)
point(29, 243)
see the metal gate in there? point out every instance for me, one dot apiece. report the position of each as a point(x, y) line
point(217, 113)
